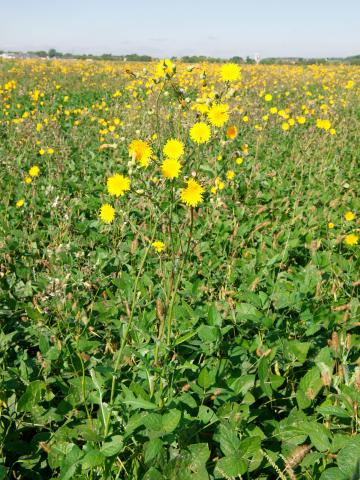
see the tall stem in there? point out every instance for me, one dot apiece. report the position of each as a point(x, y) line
point(178, 278)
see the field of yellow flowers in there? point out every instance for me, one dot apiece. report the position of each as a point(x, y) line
point(179, 271)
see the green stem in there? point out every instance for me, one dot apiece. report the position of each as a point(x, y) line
point(178, 279)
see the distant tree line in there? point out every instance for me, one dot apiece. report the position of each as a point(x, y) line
point(134, 57)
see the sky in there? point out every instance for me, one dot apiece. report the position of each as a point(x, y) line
point(163, 28)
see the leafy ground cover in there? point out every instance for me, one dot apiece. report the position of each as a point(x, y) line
point(179, 293)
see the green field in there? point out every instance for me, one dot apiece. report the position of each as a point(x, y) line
point(197, 315)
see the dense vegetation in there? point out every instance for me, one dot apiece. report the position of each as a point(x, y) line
point(185, 309)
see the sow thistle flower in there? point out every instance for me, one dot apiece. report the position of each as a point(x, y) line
point(232, 132)
point(20, 203)
point(351, 239)
point(34, 171)
point(323, 124)
point(268, 97)
point(192, 195)
point(230, 72)
point(164, 67)
point(218, 114)
point(349, 216)
point(107, 213)
point(118, 184)
point(171, 168)
point(173, 149)
point(200, 132)
point(141, 152)
point(158, 246)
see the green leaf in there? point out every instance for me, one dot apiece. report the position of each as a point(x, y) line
point(3, 472)
point(231, 466)
point(170, 420)
point(31, 396)
point(333, 474)
point(209, 333)
point(152, 449)
point(93, 458)
point(140, 403)
point(348, 459)
point(319, 436)
point(206, 414)
point(298, 349)
point(214, 316)
point(204, 379)
point(113, 447)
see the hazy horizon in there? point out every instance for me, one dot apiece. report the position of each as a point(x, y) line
point(160, 29)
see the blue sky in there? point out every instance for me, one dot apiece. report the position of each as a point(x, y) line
point(165, 28)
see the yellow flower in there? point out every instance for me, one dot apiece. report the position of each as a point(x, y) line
point(268, 97)
point(351, 239)
point(200, 132)
point(28, 180)
point(323, 124)
point(20, 203)
point(219, 183)
point(159, 246)
point(218, 114)
point(173, 149)
point(192, 194)
point(41, 151)
point(50, 151)
point(231, 132)
point(349, 216)
point(230, 174)
point(301, 120)
point(230, 72)
point(118, 184)
point(285, 126)
point(141, 152)
point(34, 171)
point(164, 67)
point(331, 225)
point(245, 119)
point(239, 160)
point(171, 168)
point(107, 213)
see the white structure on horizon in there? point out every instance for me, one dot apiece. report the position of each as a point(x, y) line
point(257, 58)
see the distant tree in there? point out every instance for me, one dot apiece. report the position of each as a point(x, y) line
point(236, 59)
point(249, 60)
point(52, 53)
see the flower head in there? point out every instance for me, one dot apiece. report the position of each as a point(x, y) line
point(218, 114)
point(171, 168)
point(34, 171)
point(141, 152)
point(200, 132)
point(230, 72)
point(164, 67)
point(118, 184)
point(268, 97)
point(173, 148)
point(192, 194)
point(20, 203)
point(349, 216)
point(107, 213)
point(231, 132)
point(159, 246)
point(351, 239)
